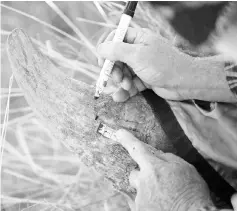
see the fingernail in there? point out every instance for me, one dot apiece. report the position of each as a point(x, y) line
point(119, 134)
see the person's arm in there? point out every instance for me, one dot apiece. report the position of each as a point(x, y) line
point(164, 181)
point(162, 67)
point(207, 80)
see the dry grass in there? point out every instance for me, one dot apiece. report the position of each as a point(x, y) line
point(37, 171)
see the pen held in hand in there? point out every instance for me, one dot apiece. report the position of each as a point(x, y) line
point(118, 37)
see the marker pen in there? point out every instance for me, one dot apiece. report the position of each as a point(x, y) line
point(120, 33)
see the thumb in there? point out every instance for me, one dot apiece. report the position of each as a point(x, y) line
point(117, 51)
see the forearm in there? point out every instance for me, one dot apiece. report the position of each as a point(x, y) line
point(206, 80)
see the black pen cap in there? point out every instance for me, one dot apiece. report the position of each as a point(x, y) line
point(130, 8)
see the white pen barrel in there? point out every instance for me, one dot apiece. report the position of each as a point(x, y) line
point(118, 37)
point(122, 28)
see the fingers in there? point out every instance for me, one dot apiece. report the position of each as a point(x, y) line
point(127, 71)
point(121, 95)
point(172, 157)
point(133, 86)
point(139, 84)
point(108, 38)
point(126, 83)
point(136, 148)
point(133, 91)
point(122, 75)
point(134, 178)
point(129, 88)
point(130, 37)
point(118, 51)
point(138, 36)
point(117, 74)
point(133, 35)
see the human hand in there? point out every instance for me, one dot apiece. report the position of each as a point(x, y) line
point(164, 181)
point(145, 60)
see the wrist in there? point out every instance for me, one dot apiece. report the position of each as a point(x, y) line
point(205, 79)
point(205, 73)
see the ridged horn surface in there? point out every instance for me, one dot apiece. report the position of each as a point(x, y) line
point(68, 109)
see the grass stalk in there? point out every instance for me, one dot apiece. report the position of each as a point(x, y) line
point(73, 27)
point(25, 200)
point(4, 129)
point(109, 25)
point(33, 155)
point(43, 23)
point(13, 95)
point(21, 119)
point(18, 110)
